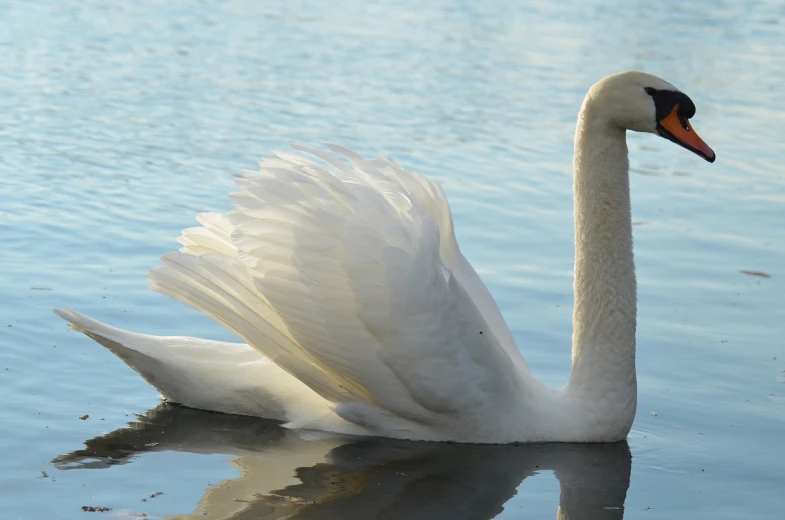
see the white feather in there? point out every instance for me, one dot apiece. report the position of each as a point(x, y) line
point(360, 314)
point(342, 274)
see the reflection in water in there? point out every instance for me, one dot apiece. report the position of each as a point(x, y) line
point(303, 475)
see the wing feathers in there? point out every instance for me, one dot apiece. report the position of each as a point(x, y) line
point(206, 283)
point(342, 274)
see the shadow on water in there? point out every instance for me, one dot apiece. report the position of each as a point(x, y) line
point(290, 474)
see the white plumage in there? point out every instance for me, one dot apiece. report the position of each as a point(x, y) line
point(347, 275)
point(361, 315)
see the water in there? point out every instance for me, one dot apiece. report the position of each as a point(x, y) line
point(120, 121)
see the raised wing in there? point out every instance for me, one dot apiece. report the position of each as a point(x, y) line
point(431, 198)
point(345, 275)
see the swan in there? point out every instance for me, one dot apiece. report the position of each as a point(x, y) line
point(361, 316)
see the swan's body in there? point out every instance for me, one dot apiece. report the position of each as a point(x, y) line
point(361, 315)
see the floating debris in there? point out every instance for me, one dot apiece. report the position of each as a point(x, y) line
point(293, 500)
point(84, 417)
point(96, 509)
point(759, 274)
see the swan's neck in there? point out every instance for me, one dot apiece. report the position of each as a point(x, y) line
point(603, 345)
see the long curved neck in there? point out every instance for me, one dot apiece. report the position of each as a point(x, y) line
point(603, 345)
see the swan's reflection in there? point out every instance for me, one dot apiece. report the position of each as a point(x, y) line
point(290, 474)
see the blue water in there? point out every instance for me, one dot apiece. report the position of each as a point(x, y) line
point(121, 120)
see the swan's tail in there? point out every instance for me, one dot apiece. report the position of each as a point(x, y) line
point(145, 354)
point(205, 374)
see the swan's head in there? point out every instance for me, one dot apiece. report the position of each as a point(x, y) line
point(645, 103)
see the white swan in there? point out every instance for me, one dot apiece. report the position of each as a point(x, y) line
point(362, 316)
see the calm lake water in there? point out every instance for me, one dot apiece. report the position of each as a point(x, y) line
point(121, 120)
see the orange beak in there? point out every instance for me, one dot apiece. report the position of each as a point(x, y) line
point(677, 128)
